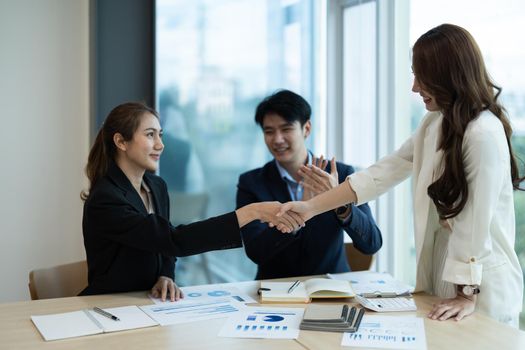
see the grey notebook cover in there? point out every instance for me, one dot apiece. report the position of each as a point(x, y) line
point(325, 313)
point(350, 323)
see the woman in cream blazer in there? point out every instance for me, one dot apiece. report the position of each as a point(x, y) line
point(463, 172)
point(476, 247)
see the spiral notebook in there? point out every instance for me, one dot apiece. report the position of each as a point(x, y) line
point(87, 322)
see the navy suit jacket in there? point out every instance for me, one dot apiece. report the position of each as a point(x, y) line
point(128, 249)
point(315, 249)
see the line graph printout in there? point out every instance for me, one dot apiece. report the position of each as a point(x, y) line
point(189, 310)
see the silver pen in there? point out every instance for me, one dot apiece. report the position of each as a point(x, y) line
point(105, 313)
point(294, 285)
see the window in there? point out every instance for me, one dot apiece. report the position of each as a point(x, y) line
point(368, 117)
point(215, 62)
point(359, 84)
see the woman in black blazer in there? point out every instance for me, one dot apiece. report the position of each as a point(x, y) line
point(130, 243)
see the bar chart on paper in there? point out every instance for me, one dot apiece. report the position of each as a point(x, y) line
point(388, 332)
point(257, 322)
point(247, 327)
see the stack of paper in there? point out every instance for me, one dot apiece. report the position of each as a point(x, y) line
point(332, 318)
point(379, 291)
point(388, 304)
point(370, 284)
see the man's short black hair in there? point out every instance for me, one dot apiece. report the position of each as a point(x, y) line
point(285, 103)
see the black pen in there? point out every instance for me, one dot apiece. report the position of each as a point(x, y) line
point(105, 313)
point(260, 290)
point(295, 284)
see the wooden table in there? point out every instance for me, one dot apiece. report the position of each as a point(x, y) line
point(18, 332)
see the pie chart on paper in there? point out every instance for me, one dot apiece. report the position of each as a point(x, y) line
point(273, 318)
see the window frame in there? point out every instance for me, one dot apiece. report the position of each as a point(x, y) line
point(392, 119)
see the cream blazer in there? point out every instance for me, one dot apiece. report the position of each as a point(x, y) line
point(481, 241)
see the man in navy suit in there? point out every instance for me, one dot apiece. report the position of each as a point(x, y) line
point(318, 247)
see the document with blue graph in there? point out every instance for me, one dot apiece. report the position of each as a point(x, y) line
point(190, 310)
point(263, 322)
point(388, 332)
point(211, 291)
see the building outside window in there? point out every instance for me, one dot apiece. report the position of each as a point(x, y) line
point(215, 61)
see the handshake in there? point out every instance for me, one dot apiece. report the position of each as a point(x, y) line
point(290, 216)
point(286, 217)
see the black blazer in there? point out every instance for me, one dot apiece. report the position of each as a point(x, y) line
point(315, 249)
point(128, 249)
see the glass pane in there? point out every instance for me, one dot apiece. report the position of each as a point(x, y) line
point(359, 87)
point(504, 61)
point(359, 84)
point(215, 61)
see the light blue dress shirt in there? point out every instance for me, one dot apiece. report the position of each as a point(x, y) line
point(294, 188)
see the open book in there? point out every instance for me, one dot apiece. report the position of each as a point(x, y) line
point(305, 291)
point(88, 322)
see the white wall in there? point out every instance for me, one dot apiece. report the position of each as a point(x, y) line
point(44, 109)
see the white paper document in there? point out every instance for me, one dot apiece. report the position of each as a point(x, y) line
point(263, 322)
point(387, 304)
point(188, 310)
point(388, 332)
point(87, 322)
point(211, 291)
point(374, 284)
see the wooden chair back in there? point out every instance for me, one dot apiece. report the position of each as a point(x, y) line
point(357, 260)
point(59, 281)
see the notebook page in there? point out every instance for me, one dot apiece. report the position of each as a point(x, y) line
point(328, 287)
point(131, 317)
point(279, 290)
point(65, 325)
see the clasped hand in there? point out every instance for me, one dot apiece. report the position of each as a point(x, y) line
point(285, 221)
point(290, 216)
point(286, 217)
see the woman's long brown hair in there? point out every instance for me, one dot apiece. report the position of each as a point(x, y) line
point(448, 64)
point(123, 119)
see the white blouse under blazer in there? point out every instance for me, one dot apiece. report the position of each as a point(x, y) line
point(481, 240)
